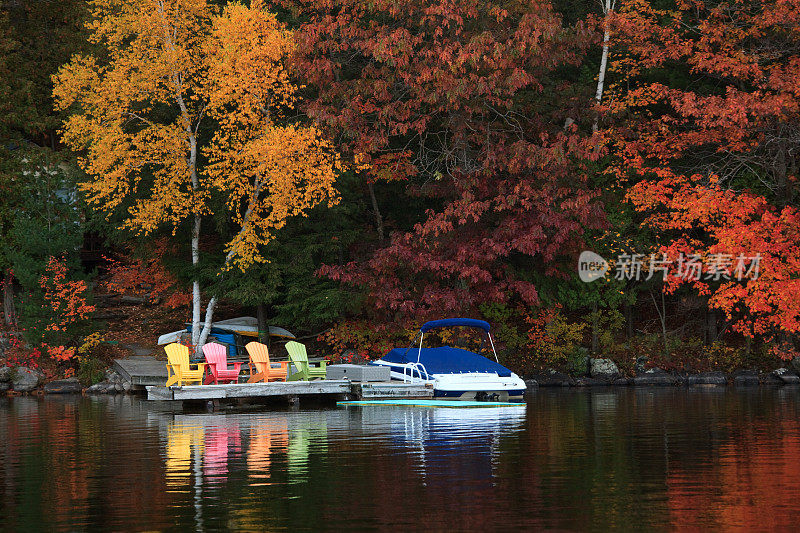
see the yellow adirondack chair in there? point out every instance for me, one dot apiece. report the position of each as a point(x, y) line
point(299, 357)
point(178, 366)
point(260, 367)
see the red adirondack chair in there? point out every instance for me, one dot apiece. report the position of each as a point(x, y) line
point(217, 359)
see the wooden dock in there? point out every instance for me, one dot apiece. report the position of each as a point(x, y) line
point(293, 391)
point(141, 370)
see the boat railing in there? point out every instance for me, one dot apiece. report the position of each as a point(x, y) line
point(410, 368)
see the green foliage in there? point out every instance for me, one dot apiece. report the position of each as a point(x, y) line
point(45, 221)
point(506, 321)
point(36, 38)
point(288, 285)
point(553, 342)
point(91, 370)
point(609, 323)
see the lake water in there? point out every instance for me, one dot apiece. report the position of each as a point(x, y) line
point(568, 459)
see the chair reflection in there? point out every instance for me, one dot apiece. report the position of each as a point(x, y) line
point(220, 442)
point(267, 437)
point(182, 437)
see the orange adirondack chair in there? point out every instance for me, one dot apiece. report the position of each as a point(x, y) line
point(260, 367)
point(217, 359)
point(179, 368)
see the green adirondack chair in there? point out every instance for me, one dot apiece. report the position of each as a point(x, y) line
point(299, 358)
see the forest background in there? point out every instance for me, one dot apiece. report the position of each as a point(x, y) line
point(349, 169)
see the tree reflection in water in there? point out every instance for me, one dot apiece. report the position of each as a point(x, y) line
point(574, 460)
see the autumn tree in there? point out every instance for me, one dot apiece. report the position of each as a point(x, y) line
point(461, 101)
point(189, 104)
point(703, 115)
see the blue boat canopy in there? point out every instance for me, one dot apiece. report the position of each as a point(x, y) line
point(446, 360)
point(450, 322)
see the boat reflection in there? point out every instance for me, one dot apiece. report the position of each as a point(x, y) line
point(436, 433)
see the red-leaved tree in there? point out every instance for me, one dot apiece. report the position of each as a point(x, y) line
point(463, 101)
point(704, 118)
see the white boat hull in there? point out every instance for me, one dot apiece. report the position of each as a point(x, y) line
point(466, 385)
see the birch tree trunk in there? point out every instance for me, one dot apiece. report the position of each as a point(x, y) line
point(212, 303)
point(196, 283)
point(191, 127)
point(608, 9)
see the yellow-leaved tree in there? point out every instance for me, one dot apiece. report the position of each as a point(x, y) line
point(184, 102)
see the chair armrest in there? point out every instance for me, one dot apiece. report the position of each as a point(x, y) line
point(237, 367)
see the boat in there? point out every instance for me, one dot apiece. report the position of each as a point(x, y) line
point(233, 332)
point(454, 373)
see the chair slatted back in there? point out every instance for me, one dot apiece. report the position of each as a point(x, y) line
point(298, 355)
point(259, 354)
point(178, 355)
point(216, 354)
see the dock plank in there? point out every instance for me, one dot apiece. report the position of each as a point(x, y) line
point(141, 370)
point(249, 390)
point(159, 393)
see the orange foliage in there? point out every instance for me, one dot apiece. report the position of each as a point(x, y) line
point(128, 274)
point(202, 64)
point(67, 299)
point(720, 121)
point(268, 171)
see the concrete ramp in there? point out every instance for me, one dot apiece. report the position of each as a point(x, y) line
point(142, 370)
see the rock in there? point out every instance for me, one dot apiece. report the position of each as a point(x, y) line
point(746, 378)
point(25, 379)
point(118, 387)
point(655, 376)
point(786, 376)
point(63, 386)
point(603, 369)
point(126, 386)
point(621, 382)
point(531, 384)
point(4, 386)
point(790, 379)
point(6, 373)
point(641, 364)
point(796, 364)
point(592, 382)
point(772, 379)
point(707, 378)
point(97, 388)
point(551, 378)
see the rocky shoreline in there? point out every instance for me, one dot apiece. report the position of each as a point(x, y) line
point(24, 380)
point(600, 373)
point(604, 373)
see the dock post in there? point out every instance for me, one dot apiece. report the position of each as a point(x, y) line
point(294, 401)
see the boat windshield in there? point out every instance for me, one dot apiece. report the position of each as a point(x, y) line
point(465, 338)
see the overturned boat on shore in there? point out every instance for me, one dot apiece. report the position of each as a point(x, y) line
point(455, 373)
